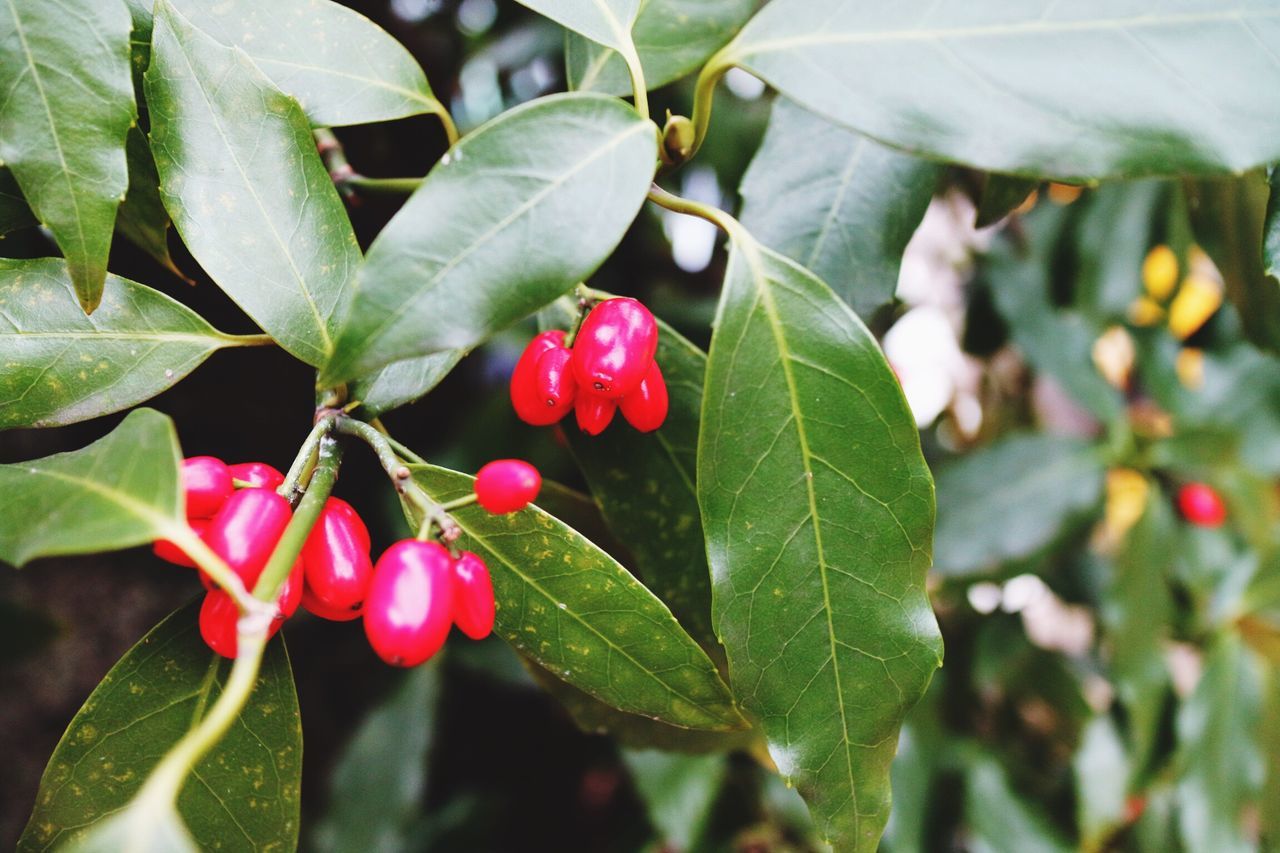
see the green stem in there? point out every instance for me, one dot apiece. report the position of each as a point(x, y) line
point(704, 94)
point(714, 215)
point(450, 129)
point(212, 565)
point(305, 461)
point(403, 450)
point(383, 186)
point(248, 340)
point(639, 89)
point(329, 457)
point(458, 503)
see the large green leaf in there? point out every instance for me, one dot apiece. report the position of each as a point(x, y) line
point(818, 510)
point(569, 606)
point(606, 22)
point(1000, 818)
point(118, 492)
point(381, 775)
point(672, 38)
point(241, 177)
point(15, 214)
point(243, 795)
point(644, 484)
point(1074, 91)
point(1138, 609)
point(447, 272)
point(143, 218)
point(844, 208)
point(60, 366)
point(67, 106)
point(1007, 501)
point(1222, 769)
point(678, 792)
point(402, 382)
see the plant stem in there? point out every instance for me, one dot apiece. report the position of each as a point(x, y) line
point(403, 450)
point(704, 93)
point(249, 340)
point(383, 186)
point(639, 89)
point(458, 503)
point(450, 129)
point(714, 215)
point(329, 457)
point(212, 565)
point(292, 486)
point(348, 180)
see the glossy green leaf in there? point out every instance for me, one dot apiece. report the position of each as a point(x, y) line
point(448, 272)
point(1101, 772)
point(1001, 194)
point(672, 37)
point(678, 792)
point(142, 217)
point(241, 177)
point(15, 214)
point(1056, 341)
point(569, 606)
point(118, 492)
point(999, 818)
point(818, 510)
point(1077, 91)
point(644, 484)
point(843, 209)
point(606, 22)
point(1012, 498)
point(1138, 609)
point(380, 778)
point(59, 366)
point(68, 105)
point(403, 382)
point(243, 795)
point(1222, 768)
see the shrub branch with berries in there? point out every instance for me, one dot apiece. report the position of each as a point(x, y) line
point(769, 495)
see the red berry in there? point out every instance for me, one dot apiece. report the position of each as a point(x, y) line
point(524, 397)
point(594, 412)
point(258, 474)
point(614, 347)
point(317, 607)
point(166, 550)
point(409, 609)
point(336, 557)
point(646, 407)
point(507, 485)
point(206, 482)
point(473, 606)
point(554, 382)
point(1201, 505)
point(219, 615)
point(245, 531)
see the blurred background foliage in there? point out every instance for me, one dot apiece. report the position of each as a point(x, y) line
point(1110, 671)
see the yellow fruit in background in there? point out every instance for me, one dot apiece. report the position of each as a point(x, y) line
point(1145, 312)
point(1113, 355)
point(1064, 194)
point(1190, 368)
point(1127, 492)
point(1197, 300)
point(1160, 272)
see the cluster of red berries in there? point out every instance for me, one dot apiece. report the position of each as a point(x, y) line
point(1201, 505)
point(409, 599)
point(609, 367)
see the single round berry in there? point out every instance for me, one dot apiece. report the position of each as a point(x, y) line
point(554, 382)
point(336, 557)
point(257, 474)
point(473, 605)
point(206, 483)
point(245, 531)
point(524, 397)
point(1201, 505)
point(166, 550)
point(646, 407)
point(316, 607)
point(594, 412)
point(507, 485)
point(409, 609)
point(614, 347)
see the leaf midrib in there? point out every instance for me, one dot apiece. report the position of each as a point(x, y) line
point(1025, 28)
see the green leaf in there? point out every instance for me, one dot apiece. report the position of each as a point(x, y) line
point(381, 775)
point(843, 209)
point(818, 510)
point(68, 105)
point(241, 177)
point(1112, 237)
point(1001, 195)
point(447, 272)
point(1058, 342)
point(14, 212)
point(142, 217)
point(672, 37)
point(1081, 91)
point(678, 792)
point(1101, 773)
point(1221, 763)
point(61, 366)
point(1137, 611)
point(1012, 498)
point(569, 606)
point(243, 795)
point(606, 22)
point(139, 828)
point(118, 492)
point(999, 818)
point(403, 382)
point(644, 484)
